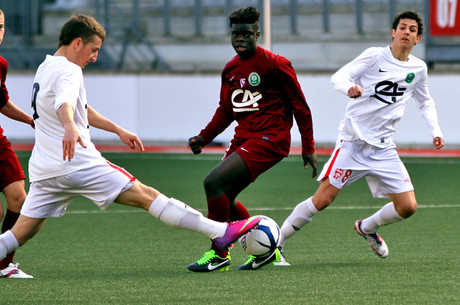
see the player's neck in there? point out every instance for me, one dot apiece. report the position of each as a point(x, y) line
point(64, 51)
point(401, 54)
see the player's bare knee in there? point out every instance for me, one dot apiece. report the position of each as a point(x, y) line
point(322, 201)
point(15, 203)
point(407, 210)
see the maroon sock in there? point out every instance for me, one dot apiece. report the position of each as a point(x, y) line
point(8, 222)
point(218, 210)
point(239, 212)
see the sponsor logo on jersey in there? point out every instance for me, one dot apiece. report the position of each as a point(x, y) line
point(247, 102)
point(386, 91)
point(242, 82)
point(254, 79)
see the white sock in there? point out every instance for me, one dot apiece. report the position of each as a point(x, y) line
point(385, 216)
point(302, 214)
point(179, 215)
point(8, 243)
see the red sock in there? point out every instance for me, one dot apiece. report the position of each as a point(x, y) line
point(239, 212)
point(219, 210)
point(8, 222)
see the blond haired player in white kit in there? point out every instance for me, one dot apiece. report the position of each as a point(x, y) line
point(379, 82)
point(65, 163)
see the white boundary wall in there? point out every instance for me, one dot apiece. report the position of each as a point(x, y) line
point(173, 108)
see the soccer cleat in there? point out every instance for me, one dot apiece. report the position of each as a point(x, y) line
point(281, 262)
point(13, 272)
point(235, 229)
point(255, 262)
point(210, 262)
point(378, 245)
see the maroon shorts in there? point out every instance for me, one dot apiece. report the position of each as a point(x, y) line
point(10, 168)
point(259, 155)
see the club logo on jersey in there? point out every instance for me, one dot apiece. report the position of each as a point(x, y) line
point(388, 89)
point(254, 79)
point(410, 77)
point(245, 100)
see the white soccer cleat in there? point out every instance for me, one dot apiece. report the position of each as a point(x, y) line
point(282, 260)
point(378, 245)
point(13, 272)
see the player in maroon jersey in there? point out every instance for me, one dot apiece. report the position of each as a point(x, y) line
point(261, 93)
point(11, 174)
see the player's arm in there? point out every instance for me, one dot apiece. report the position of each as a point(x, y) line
point(344, 79)
point(427, 107)
point(97, 120)
point(222, 118)
point(302, 114)
point(71, 135)
point(15, 113)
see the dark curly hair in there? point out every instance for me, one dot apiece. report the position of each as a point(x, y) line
point(409, 15)
point(248, 14)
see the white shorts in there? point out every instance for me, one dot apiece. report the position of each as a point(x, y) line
point(101, 183)
point(384, 171)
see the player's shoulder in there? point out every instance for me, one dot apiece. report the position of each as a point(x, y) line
point(233, 62)
point(417, 61)
point(3, 63)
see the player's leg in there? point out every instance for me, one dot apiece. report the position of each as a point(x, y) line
point(23, 230)
point(222, 185)
point(12, 183)
point(403, 205)
point(390, 179)
point(179, 215)
point(15, 195)
point(306, 210)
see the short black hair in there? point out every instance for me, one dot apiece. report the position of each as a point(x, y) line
point(409, 15)
point(248, 14)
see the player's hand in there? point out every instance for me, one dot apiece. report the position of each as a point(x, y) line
point(312, 160)
point(438, 142)
point(130, 139)
point(69, 142)
point(196, 144)
point(30, 121)
point(355, 92)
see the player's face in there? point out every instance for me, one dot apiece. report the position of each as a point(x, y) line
point(244, 39)
point(2, 27)
point(88, 52)
point(406, 33)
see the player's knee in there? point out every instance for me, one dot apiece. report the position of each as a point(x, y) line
point(322, 201)
point(211, 183)
point(15, 202)
point(408, 210)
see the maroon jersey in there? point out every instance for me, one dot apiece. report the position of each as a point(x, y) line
point(4, 97)
point(262, 95)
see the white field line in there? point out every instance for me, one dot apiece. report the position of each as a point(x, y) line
point(429, 206)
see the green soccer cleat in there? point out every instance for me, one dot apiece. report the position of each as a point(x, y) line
point(210, 262)
point(255, 262)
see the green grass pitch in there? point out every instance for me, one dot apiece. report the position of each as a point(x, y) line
point(125, 256)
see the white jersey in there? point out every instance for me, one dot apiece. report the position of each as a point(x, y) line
point(387, 84)
point(56, 82)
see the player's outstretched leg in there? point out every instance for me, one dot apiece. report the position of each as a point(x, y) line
point(378, 245)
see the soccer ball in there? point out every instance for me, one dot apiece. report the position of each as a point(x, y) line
point(262, 240)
